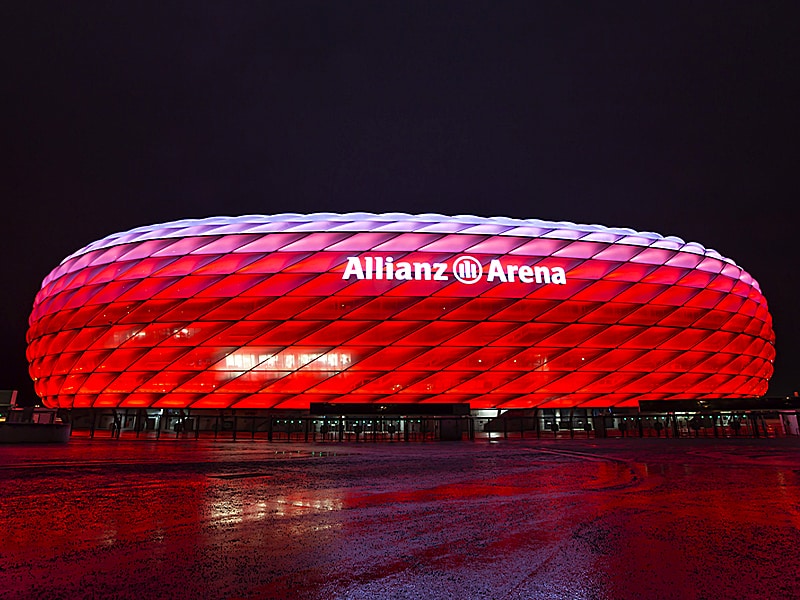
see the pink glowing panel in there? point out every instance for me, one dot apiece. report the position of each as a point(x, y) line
point(284, 310)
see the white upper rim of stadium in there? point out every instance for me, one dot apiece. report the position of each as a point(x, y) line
point(362, 222)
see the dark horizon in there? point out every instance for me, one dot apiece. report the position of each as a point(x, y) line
point(676, 119)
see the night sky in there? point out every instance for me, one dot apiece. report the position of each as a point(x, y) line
point(678, 118)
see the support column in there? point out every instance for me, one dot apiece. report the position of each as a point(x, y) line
point(571, 424)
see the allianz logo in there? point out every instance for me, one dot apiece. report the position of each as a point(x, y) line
point(465, 269)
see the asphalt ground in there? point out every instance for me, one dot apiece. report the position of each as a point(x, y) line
point(593, 519)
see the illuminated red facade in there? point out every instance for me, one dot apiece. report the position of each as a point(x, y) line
point(281, 311)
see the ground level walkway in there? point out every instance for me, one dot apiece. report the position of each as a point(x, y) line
point(618, 519)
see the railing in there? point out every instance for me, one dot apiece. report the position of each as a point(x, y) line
point(336, 430)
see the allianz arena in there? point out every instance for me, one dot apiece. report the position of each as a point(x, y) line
point(283, 311)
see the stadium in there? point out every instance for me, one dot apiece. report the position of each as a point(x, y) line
point(393, 314)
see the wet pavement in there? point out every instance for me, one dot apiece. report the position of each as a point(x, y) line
point(605, 519)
